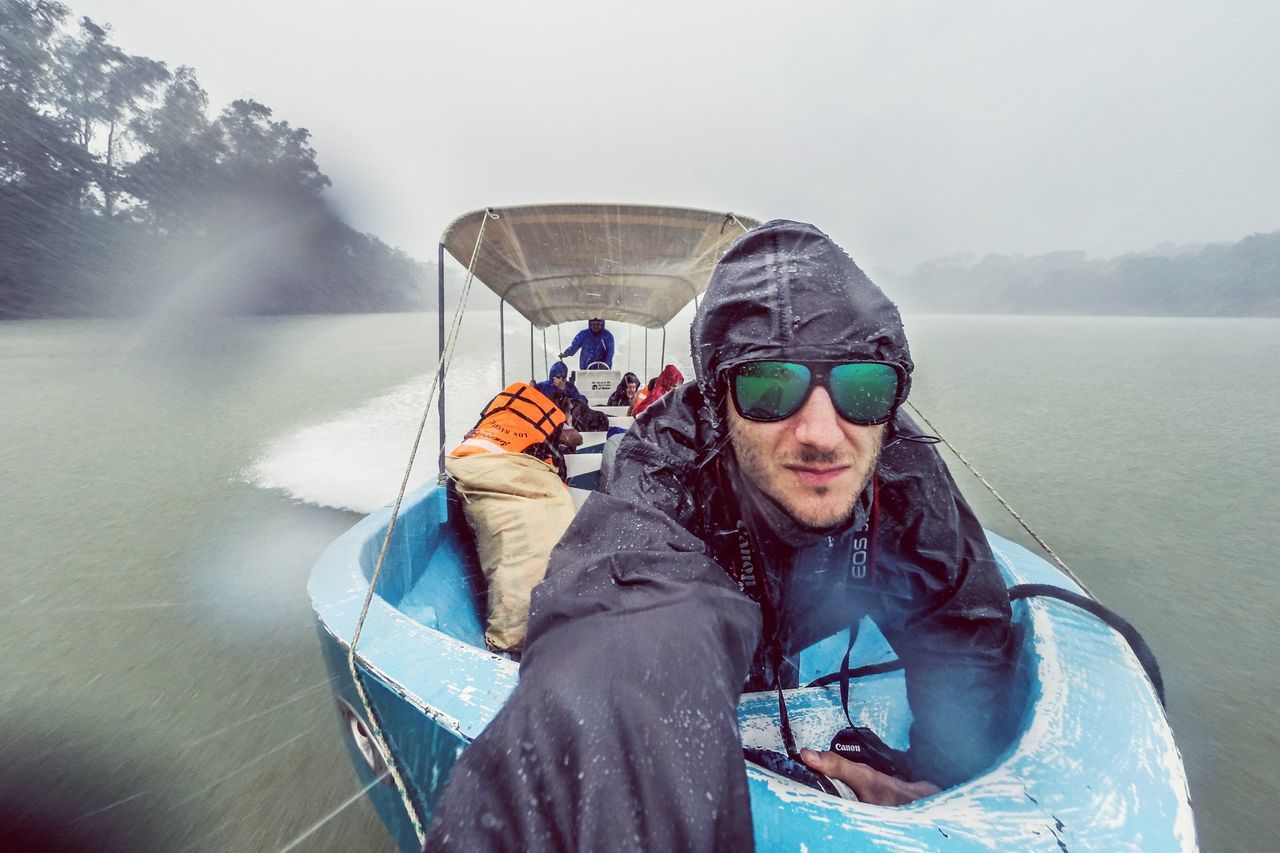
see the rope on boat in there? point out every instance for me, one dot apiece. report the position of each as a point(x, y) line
point(375, 728)
point(1004, 503)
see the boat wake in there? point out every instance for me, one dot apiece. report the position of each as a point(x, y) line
point(355, 461)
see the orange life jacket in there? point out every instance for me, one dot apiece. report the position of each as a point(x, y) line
point(519, 420)
point(641, 394)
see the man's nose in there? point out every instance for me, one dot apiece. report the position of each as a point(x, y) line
point(817, 424)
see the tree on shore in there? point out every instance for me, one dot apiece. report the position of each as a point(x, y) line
point(100, 90)
point(119, 190)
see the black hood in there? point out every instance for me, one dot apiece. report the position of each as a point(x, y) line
point(786, 291)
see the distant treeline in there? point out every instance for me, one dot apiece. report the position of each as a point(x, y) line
point(1222, 280)
point(119, 191)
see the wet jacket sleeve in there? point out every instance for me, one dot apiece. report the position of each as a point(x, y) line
point(622, 733)
point(946, 613)
point(577, 342)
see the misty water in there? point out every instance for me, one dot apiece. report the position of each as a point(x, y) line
point(166, 488)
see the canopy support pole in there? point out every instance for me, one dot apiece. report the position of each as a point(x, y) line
point(663, 359)
point(533, 370)
point(646, 350)
point(546, 367)
point(502, 339)
point(440, 353)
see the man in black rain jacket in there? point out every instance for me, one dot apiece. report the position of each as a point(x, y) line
point(622, 733)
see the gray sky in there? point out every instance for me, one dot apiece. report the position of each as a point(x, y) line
point(906, 130)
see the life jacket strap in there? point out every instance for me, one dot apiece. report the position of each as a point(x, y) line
point(548, 416)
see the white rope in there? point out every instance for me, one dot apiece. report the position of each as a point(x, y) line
point(992, 489)
point(738, 222)
point(446, 355)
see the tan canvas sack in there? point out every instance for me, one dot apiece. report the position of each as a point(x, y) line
point(519, 508)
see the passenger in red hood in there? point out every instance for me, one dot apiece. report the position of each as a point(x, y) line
point(669, 379)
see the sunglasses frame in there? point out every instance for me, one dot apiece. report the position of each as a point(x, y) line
point(820, 375)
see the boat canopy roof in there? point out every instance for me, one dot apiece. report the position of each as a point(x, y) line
point(557, 263)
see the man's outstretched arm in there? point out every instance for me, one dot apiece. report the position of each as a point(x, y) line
point(574, 345)
point(622, 733)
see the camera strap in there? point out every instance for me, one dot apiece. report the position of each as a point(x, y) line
point(750, 572)
point(753, 580)
point(845, 674)
point(758, 590)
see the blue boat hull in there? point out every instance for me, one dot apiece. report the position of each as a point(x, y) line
point(1094, 764)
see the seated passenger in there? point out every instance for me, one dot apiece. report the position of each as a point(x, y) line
point(558, 381)
point(625, 393)
point(669, 378)
point(509, 472)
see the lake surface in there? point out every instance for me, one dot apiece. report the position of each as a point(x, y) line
point(166, 489)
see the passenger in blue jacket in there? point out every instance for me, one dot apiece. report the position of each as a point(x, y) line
point(595, 342)
point(778, 499)
point(558, 383)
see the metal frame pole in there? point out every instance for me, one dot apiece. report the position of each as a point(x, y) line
point(440, 356)
point(502, 339)
point(663, 359)
point(545, 366)
point(533, 376)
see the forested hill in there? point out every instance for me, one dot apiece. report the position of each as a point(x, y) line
point(1220, 280)
point(120, 190)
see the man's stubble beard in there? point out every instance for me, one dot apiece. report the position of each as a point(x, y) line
point(749, 454)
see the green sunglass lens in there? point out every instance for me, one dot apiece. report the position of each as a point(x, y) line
point(769, 390)
point(864, 393)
